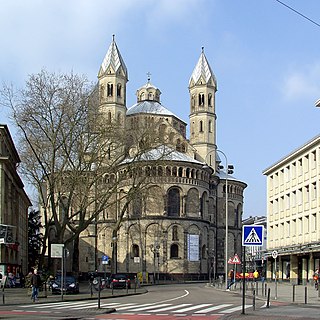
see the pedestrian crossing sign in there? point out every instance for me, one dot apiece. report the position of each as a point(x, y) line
point(252, 235)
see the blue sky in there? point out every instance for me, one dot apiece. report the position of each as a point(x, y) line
point(265, 57)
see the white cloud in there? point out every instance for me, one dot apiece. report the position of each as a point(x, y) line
point(302, 83)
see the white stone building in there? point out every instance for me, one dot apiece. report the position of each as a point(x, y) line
point(293, 204)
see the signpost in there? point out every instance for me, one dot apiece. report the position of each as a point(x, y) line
point(252, 235)
point(274, 256)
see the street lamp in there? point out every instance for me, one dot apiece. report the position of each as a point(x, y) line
point(229, 170)
point(155, 249)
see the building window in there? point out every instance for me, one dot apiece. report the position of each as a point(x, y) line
point(210, 126)
point(314, 191)
point(201, 126)
point(313, 159)
point(175, 233)
point(119, 90)
point(174, 202)
point(135, 250)
point(300, 167)
point(201, 99)
point(174, 251)
point(209, 99)
point(110, 89)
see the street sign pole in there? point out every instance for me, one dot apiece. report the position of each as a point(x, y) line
point(244, 281)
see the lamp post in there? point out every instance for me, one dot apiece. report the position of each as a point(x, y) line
point(229, 170)
point(155, 249)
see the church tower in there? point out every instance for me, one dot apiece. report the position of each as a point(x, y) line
point(113, 78)
point(202, 89)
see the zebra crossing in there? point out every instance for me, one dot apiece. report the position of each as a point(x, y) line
point(134, 308)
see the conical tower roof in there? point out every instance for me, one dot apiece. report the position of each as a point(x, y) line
point(113, 60)
point(203, 70)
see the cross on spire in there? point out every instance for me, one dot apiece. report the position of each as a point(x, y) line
point(149, 76)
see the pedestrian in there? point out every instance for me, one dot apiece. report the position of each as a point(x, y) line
point(256, 275)
point(231, 279)
point(35, 284)
point(316, 279)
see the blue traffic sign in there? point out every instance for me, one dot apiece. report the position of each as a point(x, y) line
point(252, 235)
point(104, 259)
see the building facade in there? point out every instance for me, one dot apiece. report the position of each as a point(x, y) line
point(14, 204)
point(293, 204)
point(178, 227)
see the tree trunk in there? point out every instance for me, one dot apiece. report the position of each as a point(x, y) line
point(75, 256)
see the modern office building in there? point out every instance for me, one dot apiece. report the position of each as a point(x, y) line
point(293, 205)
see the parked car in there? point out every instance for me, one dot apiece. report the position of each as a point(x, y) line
point(71, 285)
point(120, 280)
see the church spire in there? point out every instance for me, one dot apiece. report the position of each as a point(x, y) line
point(113, 78)
point(113, 62)
point(202, 88)
point(202, 71)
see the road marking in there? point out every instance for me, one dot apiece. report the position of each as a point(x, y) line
point(220, 306)
point(235, 309)
point(198, 306)
point(149, 307)
point(171, 307)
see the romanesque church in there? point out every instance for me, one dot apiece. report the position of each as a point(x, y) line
point(180, 230)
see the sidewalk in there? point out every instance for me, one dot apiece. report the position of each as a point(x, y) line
point(284, 292)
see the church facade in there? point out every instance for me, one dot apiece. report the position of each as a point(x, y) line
point(178, 228)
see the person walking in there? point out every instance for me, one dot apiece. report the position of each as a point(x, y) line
point(35, 284)
point(231, 279)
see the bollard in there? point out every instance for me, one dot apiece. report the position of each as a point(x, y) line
point(265, 289)
point(135, 284)
point(254, 300)
point(268, 298)
point(127, 287)
point(293, 292)
point(305, 294)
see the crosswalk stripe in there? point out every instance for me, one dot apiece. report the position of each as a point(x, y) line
point(235, 309)
point(213, 308)
point(135, 305)
point(198, 306)
point(150, 307)
point(171, 307)
point(102, 305)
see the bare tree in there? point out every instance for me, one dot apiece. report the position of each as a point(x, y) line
point(73, 156)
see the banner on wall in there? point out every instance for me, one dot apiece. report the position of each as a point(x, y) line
point(193, 247)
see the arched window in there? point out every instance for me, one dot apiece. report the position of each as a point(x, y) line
point(173, 202)
point(175, 233)
point(204, 252)
point(201, 99)
point(137, 206)
point(210, 126)
point(201, 126)
point(118, 90)
point(110, 89)
point(174, 251)
point(135, 250)
point(210, 99)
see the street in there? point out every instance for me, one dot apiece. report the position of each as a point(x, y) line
point(176, 301)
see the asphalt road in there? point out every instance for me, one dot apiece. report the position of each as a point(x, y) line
point(176, 301)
